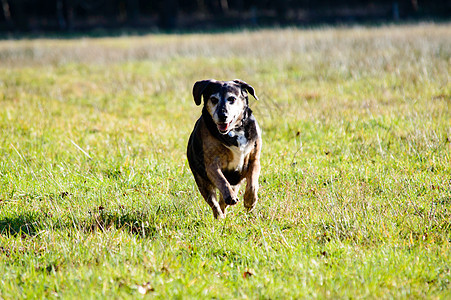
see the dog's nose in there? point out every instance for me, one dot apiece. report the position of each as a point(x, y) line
point(222, 115)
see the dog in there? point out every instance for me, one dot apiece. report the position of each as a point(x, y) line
point(225, 144)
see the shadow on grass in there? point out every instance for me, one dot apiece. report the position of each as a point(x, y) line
point(137, 223)
point(29, 224)
point(25, 225)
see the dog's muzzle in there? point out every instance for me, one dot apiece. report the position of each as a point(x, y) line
point(224, 127)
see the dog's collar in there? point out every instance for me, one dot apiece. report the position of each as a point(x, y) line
point(227, 139)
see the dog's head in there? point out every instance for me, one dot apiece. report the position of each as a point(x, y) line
point(225, 101)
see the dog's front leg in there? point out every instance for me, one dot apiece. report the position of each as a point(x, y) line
point(222, 203)
point(217, 177)
point(250, 195)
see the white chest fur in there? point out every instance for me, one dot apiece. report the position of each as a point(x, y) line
point(240, 137)
point(238, 152)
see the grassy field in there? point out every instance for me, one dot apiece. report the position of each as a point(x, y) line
point(97, 200)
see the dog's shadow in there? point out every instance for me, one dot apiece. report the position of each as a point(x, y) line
point(29, 224)
point(23, 224)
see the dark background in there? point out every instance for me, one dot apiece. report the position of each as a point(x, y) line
point(81, 15)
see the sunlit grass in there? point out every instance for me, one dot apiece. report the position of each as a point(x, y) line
point(96, 197)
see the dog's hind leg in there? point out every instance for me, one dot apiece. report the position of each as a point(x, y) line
point(208, 191)
point(222, 203)
point(210, 196)
point(250, 195)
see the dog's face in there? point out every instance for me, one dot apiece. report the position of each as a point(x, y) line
point(225, 101)
point(226, 107)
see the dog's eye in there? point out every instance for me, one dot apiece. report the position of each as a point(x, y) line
point(214, 100)
point(231, 100)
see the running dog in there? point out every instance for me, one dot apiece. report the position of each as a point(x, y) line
point(224, 147)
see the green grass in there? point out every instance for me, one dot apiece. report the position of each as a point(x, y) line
point(97, 200)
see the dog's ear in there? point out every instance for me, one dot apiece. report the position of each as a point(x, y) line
point(246, 87)
point(198, 88)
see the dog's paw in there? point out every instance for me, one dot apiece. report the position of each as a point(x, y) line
point(231, 201)
point(220, 216)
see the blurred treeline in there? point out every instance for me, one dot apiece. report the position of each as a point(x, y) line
point(67, 15)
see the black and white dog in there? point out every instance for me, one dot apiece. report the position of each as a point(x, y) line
point(224, 147)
